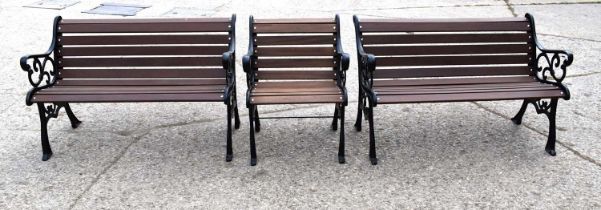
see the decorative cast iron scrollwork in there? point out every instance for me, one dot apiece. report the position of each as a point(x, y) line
point(52, 110)
point(37, 68)
point(551, 65)
point(542, 106)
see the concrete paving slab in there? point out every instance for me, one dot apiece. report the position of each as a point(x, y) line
point(437, 159)
point(527, 2)
point(585, 52)
point(571, 20)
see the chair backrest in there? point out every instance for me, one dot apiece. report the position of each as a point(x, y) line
point(411, 48)
point(122, 50)
point(294, 49)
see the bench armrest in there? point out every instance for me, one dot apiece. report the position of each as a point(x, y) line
point(229, 64)
point(42, 72)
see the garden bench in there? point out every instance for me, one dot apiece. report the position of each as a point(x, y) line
point(134, 60)
point(295, 61)
point(457, 60)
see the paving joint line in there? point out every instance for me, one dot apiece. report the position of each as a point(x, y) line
point(569, 37)
point(577, 153)
point(510, 8)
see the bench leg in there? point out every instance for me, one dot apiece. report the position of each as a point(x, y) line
point(229, 151)
point(550, 147)
point(372, 139)
point(253, 149)
point(359, 111)
point(341, 146)
point(74, 121)
point(236, 117)
point(517, 119)
point(257, 122)
point(335, 119)
point(46, 150)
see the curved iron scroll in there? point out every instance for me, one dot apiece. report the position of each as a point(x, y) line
point(552, 65)
point(37, 70)
point(52, 110)
point(542, 106)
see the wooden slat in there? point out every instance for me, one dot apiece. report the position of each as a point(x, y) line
point(451, 71)
point(301, 93)
point(144, 20)
point(294, 62)
point(295, 85)
point(88, 88)
point(443, 25)
point(157, 61)
point(447, 49)
point(450, 81)
point(294, 28)
point(143, 50)
point(530, 84)
point(137, 26)
point(142, 73)
point(308, 91)
point(444, 38)
point(295, 40)
point(388, 99)
point(293, 75)
point(295, 51)
point(451, 60)
point(464, 90)
point(141, 82)
point(296, 20)
point(170, 97)
point(442, 20)
point(144, 39)
point(312, 99)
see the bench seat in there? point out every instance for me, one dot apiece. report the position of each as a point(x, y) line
point(296, 92)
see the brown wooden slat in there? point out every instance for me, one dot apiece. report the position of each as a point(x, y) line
point(447, 49)
point(531, 84)
point(294, 62)
point(294, 28)
point(144, 39)
point(295, 20)
point(295, 51)
point(451, 60)
point(142, 73)
point(308, 91)
point(142, 82)
point(157, 61)
point(443, 38)
point(388, 99)
point(88, 88)
point(464, 90)
point(183, 97)
point(312, 99)
point(144, 20)
point(312, 93)
point(443, 25)
point(451, 71)
point(442, 20)
point(301, 85)
point(143, 50)
point(126, 91)
point(295, 40)
point(293, 75)
point(450, 81)
point(142, 26)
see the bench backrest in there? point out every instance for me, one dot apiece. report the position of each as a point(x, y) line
point(294, 49)
point(411, 48)
point(122, 51)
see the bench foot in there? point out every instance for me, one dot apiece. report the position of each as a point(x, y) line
point(342, 137)
point(373, 160)
point(550, 146)
point(229, 157)
point(517, 119)
point(74, 121)
point(253, 148)
point(551, 151)
point(253, 161)
point(45, 114)
point(341, 159)
point(46, 156)
point(372, 138)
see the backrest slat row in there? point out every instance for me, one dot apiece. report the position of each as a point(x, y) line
point(406, 48)
point(173, 48)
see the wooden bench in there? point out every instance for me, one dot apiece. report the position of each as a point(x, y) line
point(295, 61)
point(453, 60)
point(134, 60)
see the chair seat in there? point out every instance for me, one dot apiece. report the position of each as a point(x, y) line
point(296, 92)
point(463, 89)
point(130, 93)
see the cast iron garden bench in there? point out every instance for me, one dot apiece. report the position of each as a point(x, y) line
point(134, 60)
point(295, 61)
point(453, 60)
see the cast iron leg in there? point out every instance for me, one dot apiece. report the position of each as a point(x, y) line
point(372, 139)
point(46, 150)
point(257, 122)
point(359, 112)
point(517, 119)
point(335, 119)
point(236, 117)
point(550, 147)
point(74, 121)
point(341, 147)
point(253, 150)
point(229, 153)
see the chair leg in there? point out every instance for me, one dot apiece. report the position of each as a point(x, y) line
point(372, 139)
point(257, 121)
point(253, 150)
point(550, 147)
point(359, 111)
point(517, 119)
point(341, 146)
point(74, 121)
point(335, 119)
point(229, 151)
point(46, 150)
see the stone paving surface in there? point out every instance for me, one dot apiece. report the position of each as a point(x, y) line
point(171, 155)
